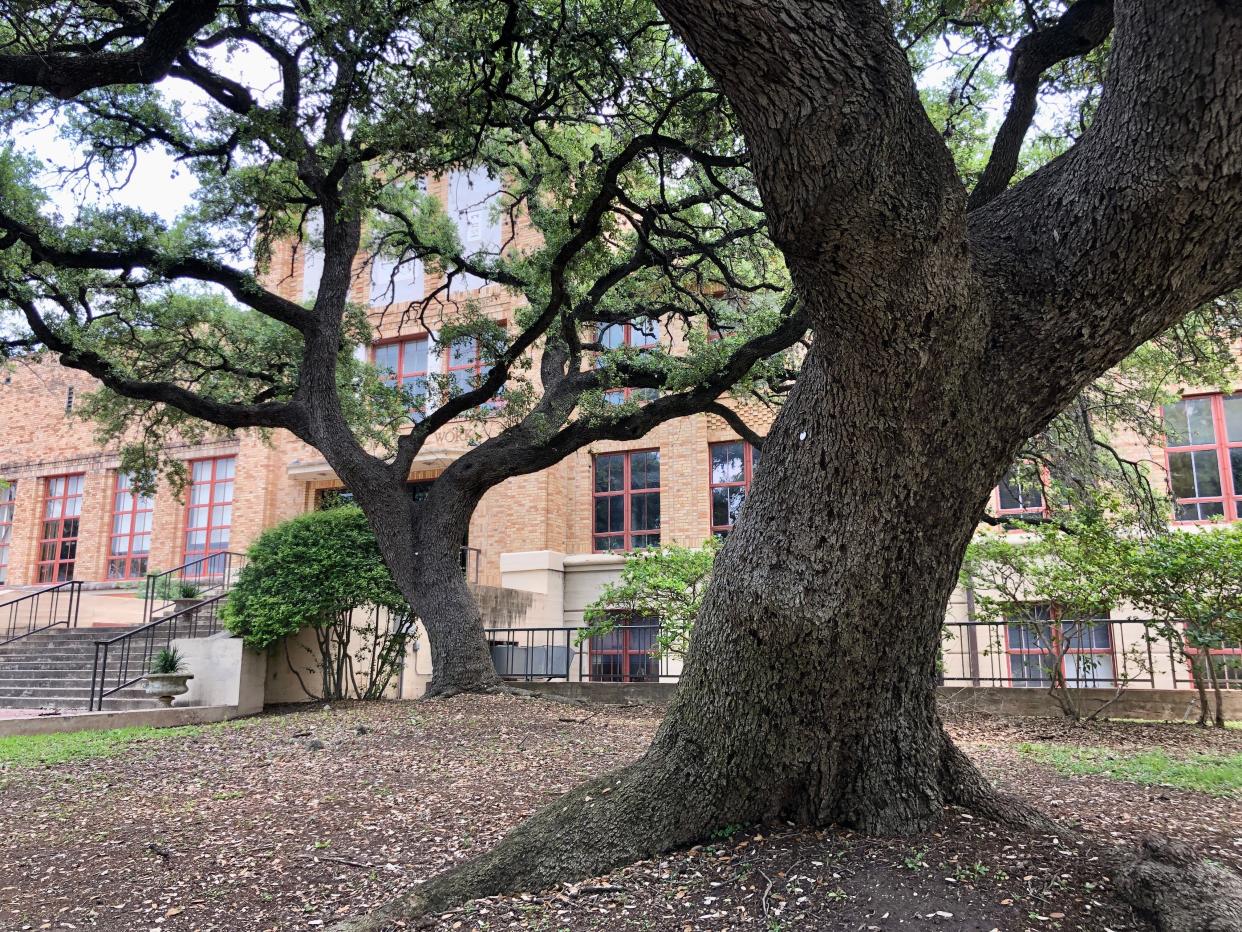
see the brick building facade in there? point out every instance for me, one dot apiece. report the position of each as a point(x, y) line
point(67, 514)
point(73, 517)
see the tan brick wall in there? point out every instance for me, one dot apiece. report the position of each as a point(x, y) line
point(551, 510)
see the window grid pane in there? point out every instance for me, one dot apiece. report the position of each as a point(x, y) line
point(626, 501)
point(209, 515)
point(731, 469)
point(131, 525)
point(627, 653)
point(58, 544)
point(642, 335)
point(1203, 439)
point(1017, 495)
point(403, 365)
point(8, 499)
point(1034, 640)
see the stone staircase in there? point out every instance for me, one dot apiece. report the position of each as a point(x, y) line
point(52, 670)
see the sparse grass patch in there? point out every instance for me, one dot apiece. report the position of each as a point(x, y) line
point(1216, 775)
point(35, 750)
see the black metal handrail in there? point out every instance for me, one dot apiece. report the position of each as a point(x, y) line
point(43, 609)
point(202, 578)
point(125, 659)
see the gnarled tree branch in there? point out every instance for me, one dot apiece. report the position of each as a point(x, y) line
point(1081, 28)
point(66, 74)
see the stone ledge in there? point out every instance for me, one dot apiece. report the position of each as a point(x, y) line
point(1173, 705)
point(104, 721)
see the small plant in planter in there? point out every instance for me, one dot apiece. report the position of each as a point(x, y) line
point(185, 594)
point(167, 677)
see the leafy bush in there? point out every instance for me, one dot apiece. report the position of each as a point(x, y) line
point(1188, 581)
point(323, 570)
point(169, 587)
point(666, 583)
point(1191, 583)
point(1053, 584)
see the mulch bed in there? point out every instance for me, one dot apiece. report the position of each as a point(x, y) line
point(292, 820)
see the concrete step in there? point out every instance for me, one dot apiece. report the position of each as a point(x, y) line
point(54, 669)
point(72, 634)
point(75, 649)
point(30, 677)
point(68, 693)
point(67, 640)
point(62, 634)
point(110, 704)
point(49, 656)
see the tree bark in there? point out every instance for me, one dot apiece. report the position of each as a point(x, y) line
point(808, 689)
point(443, 602)
point(1198, 673)
point(421, 545)
point(1218, 717)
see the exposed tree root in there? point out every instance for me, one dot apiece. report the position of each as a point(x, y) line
point(965, 786)
point(1179, 892)
point(500, 689)
point(621, 817)
point(634, 813)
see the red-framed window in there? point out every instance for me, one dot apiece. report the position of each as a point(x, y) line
point(1225, 659)
point(465, 365)
point(1227, 662)
point(627, 653)
point(209, 511)
point(8, 501)
point(1203, 453)
point(643, 334)
point(62, 518)
point(1018, 494)
point(627, 500)
point(403, 364)
point(129, 546)
point(731, 466)
point(1035, 637)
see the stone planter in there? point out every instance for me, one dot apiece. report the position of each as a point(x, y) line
point(166, 685)
point(180, 605)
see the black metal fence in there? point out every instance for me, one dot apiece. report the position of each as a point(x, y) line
point(1097, 653)
point(1101, 653)
point(626, 654)
point(40, 610)
point(122, 661)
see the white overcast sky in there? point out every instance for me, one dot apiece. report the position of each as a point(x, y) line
point(161, 186)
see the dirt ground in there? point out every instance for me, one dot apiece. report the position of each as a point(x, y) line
point(294, 819)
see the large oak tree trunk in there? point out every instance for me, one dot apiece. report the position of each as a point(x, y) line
point(460, 658)
point(421, 545)
point(442, 600)
point(809, 689)
point(942, 341)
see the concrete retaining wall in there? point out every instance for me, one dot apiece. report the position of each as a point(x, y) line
point(1172, 705)
point(225, 673)
point(103, 721)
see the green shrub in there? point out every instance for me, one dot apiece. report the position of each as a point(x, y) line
point(323, 570)
point(662, 586)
